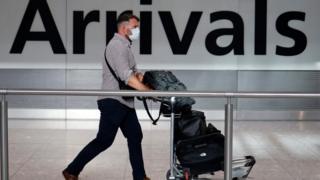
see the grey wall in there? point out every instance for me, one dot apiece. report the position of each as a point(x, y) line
point(276, 81)
point(295, 81)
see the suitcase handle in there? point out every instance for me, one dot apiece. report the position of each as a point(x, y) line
point(197, 146)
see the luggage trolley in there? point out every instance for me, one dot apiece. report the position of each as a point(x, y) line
point(203, 151)
point(240, 167)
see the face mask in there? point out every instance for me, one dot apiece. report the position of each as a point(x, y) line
point(135, 34)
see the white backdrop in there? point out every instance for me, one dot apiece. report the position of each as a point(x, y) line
point(39, 54)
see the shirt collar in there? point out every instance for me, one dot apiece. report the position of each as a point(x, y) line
point(123, 39)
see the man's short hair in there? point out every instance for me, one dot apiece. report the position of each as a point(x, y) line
point(125, 17)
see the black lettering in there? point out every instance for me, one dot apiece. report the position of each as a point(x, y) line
point(180, 46)
point(50, 34)
point(146, 32)
point(260, 35)
point(111, 26)
point(282, 25)
point(80, 24)
point(145, 2)
point(237, 32)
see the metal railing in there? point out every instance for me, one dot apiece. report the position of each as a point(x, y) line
point(228, 113)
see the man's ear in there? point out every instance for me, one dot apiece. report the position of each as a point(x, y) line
point(122, 29)
point(128, 31)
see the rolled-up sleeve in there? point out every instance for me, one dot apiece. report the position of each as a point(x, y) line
point(119, 58)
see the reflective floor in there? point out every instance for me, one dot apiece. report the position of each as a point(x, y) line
point(285, 150)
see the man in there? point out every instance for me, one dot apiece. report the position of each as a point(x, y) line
point(117, 112)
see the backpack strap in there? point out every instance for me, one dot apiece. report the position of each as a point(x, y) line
point(111, 70)
point(122, 84)
point(154, 121)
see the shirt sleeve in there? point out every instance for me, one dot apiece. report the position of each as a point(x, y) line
point(119, 58)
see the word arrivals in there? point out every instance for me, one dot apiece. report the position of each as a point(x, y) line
point(178, 45)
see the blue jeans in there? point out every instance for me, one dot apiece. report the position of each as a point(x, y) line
point(114, 115)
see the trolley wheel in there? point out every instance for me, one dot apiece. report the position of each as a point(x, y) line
point(176, 178)
point(168, 174)
point(237, 178)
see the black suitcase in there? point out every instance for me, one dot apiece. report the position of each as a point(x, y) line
point(203, 154)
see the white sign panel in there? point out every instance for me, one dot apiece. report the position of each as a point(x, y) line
point(175, 34)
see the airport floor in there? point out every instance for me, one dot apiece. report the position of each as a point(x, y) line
point(285, 150)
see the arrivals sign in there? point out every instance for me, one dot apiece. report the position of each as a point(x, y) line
point(175, 34)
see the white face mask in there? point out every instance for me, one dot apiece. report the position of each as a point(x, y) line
point(135, 34)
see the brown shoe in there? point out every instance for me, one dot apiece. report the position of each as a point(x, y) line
point(68, 176)
point(146, 178)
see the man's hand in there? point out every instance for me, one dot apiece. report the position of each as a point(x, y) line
point(136, 83)
point(139, 76)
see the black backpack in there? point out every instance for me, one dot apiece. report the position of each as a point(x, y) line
point(166, 81)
